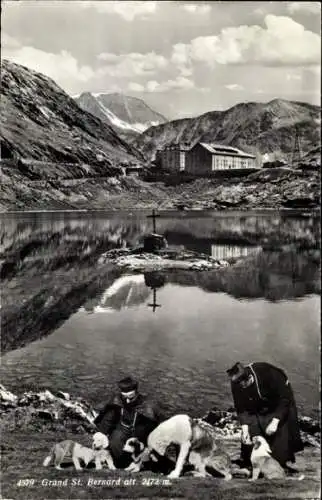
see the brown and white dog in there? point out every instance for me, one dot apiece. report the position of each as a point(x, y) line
point(69, 450)
point(205, 451)
point(135, 447)
point(153, 462)
point(189, 434)
point(263, 462)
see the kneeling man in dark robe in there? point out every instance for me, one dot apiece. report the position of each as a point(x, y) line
point(127, 414)
point(265, 406)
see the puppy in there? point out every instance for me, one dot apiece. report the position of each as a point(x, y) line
point(134, 447)
point(175, 430)
point(263, 462)
point(68, 449)
point(153, 463)
point(100, 444)
point(205, 451)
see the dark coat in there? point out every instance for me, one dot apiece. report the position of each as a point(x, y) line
point(270, 396)
point(121, 421)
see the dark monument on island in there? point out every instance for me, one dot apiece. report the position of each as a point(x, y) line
point(154, 242)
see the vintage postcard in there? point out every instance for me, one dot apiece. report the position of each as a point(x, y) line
point(160, 249)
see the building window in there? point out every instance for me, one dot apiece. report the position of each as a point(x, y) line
point(182, 161)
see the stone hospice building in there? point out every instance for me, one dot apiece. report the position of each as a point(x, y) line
point(204, 158)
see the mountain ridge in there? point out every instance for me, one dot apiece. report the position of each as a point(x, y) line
point(255, 127)
point(42, 122)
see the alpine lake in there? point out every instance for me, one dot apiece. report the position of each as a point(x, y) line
point(71, 324)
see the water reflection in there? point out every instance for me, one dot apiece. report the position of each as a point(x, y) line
point(50, 264)
point(231, 251)
point(126, 291)
point(154, 280)
point(129, 290)
point(71, 321)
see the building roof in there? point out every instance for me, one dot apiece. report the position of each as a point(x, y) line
point(222, 149)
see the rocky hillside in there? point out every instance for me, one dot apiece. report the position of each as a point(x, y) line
point(267, 189)
point(128, 116)
point(255, 127)
point(41, 122)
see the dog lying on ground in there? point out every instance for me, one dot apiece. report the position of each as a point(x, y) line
point(263, 462)
point(188, 434)
point(69, 450)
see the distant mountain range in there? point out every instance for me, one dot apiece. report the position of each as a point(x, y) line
point(254, 127)
point(127, 115)
point(41, 122)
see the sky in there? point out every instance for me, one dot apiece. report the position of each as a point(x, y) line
point(182, 58)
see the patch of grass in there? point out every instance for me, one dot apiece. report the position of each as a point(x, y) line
point(24, 478)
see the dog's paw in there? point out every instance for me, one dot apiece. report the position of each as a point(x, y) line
point(133, 468)
point(173, 475)
point(196, 473)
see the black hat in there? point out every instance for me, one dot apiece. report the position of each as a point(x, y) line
point(238, 372)
point(128, 384)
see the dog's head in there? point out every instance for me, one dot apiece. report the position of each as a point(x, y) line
point(133, 446)
point(100, 441)
point(260, 442)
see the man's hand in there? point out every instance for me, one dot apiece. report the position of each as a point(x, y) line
point(272, 427)
point(245, 436)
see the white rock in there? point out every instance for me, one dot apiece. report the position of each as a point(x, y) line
point(7, 395)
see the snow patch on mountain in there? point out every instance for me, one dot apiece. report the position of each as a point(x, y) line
point(127, 115)
point(117, 122)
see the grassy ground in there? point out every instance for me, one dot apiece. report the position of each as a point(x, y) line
point(24, 478)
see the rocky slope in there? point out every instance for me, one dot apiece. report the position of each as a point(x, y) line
point(269, 188)
point(128, 116)
point(41, 122)
point(255, 127)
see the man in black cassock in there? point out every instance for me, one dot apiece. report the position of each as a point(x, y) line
point(265, 406)
point(127, 414)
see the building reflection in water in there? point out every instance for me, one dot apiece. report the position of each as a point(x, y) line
point(230, 251)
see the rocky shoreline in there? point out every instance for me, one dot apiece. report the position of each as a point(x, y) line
point(48, 411)
point(279, 188)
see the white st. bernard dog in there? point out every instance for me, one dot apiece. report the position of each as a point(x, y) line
point(190, 434)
